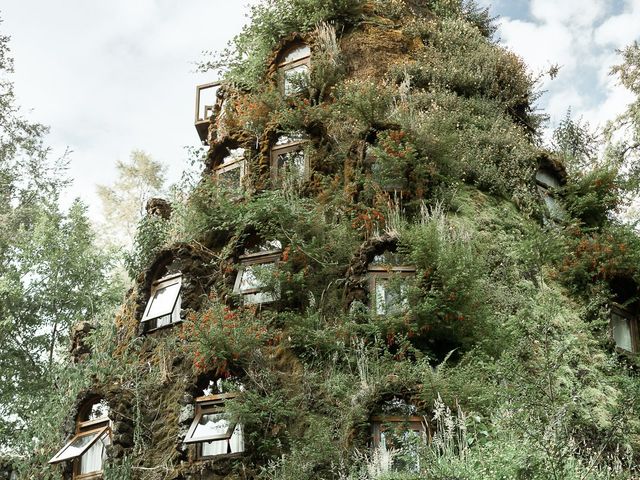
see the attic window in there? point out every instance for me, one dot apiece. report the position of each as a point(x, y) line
point(387, 285)
point(252, 279)
point(164, 305)
point(398, 440)
point(207, 99)
point(548, 182)
point(212, 431)
point(624, 329)
point(87, 447)
point(288, 159)
point(232, 170)
point(293, 69)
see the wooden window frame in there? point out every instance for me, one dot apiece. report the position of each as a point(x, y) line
point(210, 404)
point(240, 163)
point(202, 124)
point(99, 427)
point(159, 284)
point(283, 67)
point(258, 258)
point(634, 331)
point(376, 272)
point(414, 423)
point(294, 146)
point(378, 425)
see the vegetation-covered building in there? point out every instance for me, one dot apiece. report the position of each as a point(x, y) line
point(381, 274)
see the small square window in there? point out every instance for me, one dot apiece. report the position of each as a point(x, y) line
point(87, 447)
point(288, 159)
point(293, 69)
point(164, 305)
point(211, 429)
point(251, 282)
point(624, 329)
point(388, 290)
point(398, 440)
point(231, 171)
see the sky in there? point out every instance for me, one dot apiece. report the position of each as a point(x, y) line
point(580, 36)
point(111, 77)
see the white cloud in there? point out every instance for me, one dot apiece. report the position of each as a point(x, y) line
point(110, 77)
point(581, 37)
point(540, 45)
point(620, 30)
point(574, 13)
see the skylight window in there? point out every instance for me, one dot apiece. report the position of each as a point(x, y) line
point(164, 305)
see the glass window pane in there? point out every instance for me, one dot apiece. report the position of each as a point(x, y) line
point(381, 295)
point(230, 178)
point(621, 331)
point(163, 301)
point(296, 54)
point(548, 179)
point(401, 447)
point(76, 447)
point(295, 78)
point(249, 280)
point(236, 443)
point(233, 156)
point(390, 299)
point(217, 447)
point(211, 425)
point(289, 138)
point(258, 297)
point(291, 163)
point(207, 100)
point(253, 276)
point(93, 459)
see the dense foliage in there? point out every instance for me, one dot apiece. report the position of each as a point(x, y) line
point(51, 274)
point(503, 344)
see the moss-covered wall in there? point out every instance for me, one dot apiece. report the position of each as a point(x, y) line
point(493, 326)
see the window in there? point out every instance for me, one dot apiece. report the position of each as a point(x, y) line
point(387, 289)
point(398, 439)
point(231, 171)
point(293, 69)
point(624, 329)
point(164, 305)
point(389, 172)
point(548, 182)
point(252, 279)
point(288, 160)
point(206, 101)
point(211, 430)
point(87, 447)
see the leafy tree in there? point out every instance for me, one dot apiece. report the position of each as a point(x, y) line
point(138, 180)
point(629, 73)
point(51, 274)
point(576, 143)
